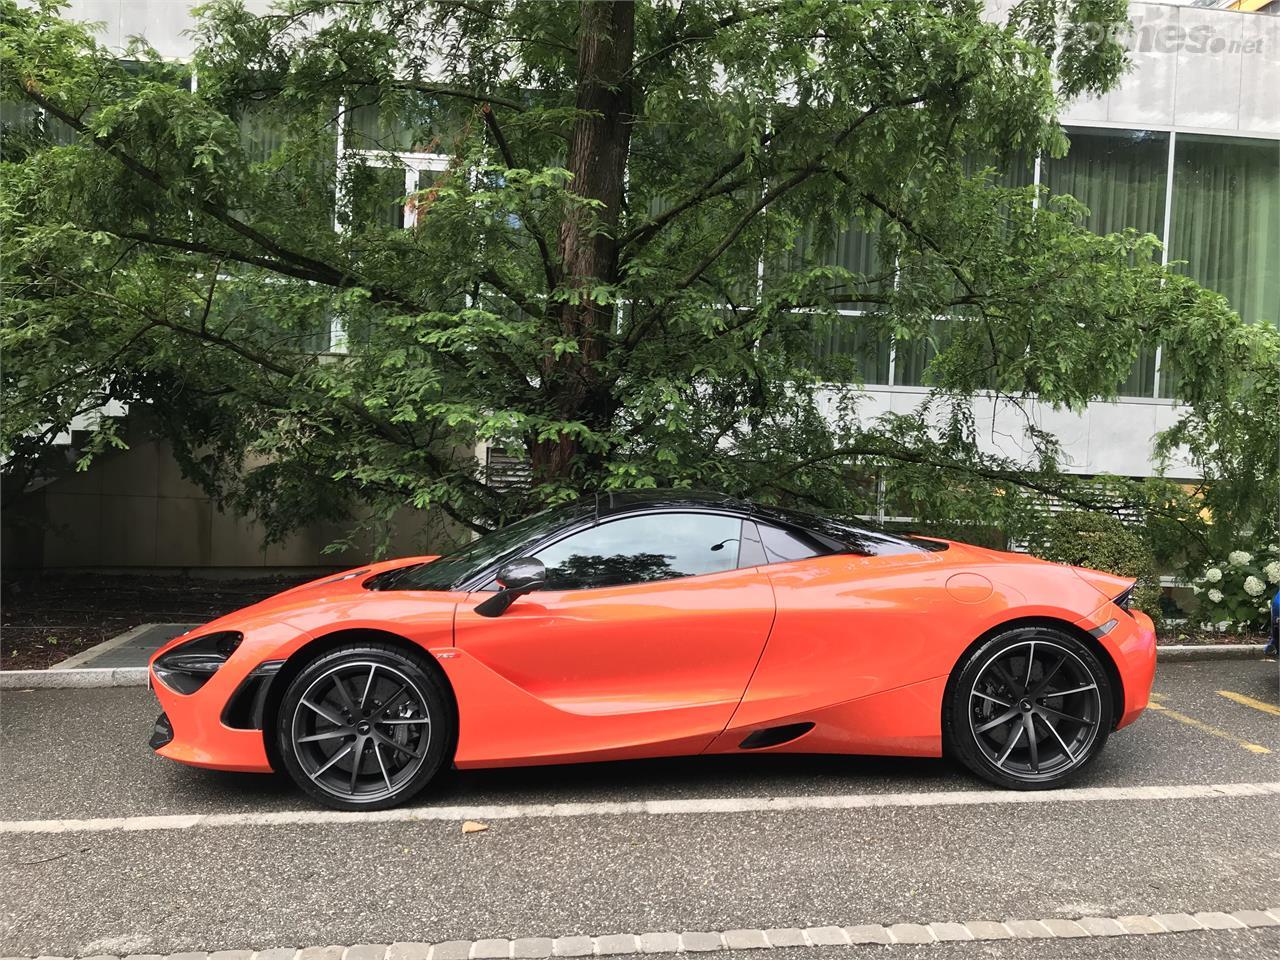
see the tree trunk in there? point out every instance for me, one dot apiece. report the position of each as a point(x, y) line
point(588, 249)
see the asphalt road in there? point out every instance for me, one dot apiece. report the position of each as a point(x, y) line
point(82, 754)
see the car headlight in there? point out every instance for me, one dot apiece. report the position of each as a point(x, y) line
point(187, 667)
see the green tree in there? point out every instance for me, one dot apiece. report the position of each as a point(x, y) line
point(581, 281)
point(1104, 543)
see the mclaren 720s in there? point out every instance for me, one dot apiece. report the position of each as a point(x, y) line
point(661, 624)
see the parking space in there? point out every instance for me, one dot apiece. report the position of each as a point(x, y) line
point(233, 883)
point(83, 753)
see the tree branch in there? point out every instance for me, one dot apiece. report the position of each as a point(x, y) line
point(548, 265)
point(317, 270)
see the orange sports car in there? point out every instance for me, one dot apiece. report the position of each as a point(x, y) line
point(661, 624)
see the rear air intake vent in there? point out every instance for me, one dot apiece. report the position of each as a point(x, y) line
point(772, 736)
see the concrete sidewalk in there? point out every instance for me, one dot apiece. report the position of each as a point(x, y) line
point(132, 648)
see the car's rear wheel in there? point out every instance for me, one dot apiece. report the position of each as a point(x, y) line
point(364, 727)
point(1029, 709)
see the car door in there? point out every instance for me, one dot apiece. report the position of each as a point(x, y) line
point(848, 626)
point(641, 644)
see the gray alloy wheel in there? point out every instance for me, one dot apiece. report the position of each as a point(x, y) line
point(363, 728)
point(1030, 708)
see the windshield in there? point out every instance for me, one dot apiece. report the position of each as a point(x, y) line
point(505, 543)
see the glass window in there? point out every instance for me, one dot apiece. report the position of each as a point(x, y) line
point(1141, 381)
point(1226, 219)
point(1120, 175)
point(498, 546)
point(853, 248)
point(1016, 170)
point(377, 196)
point(261, 133)
point(782, 545)
point(846, 347)
point(809, 535)
point(643, 549)
point(407, 123)
point(912, 357)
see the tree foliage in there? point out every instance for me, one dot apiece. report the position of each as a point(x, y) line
point(1101, 542)
point(583, 279)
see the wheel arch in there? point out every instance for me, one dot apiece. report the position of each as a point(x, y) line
point(1084, 636)
point(317, 648)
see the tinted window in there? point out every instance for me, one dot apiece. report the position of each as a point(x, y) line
point(830, 535)
point(659, 546)
point(781, 545)
point(752, 553)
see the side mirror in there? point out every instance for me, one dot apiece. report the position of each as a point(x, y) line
point(515, 579)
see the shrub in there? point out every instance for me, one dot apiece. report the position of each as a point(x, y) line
point(1236, 594)
point(1102, 542)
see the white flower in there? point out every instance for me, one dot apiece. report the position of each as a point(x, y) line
point(1238, 558)
point(1272, 570)
point(1253, 586)
point(1213, 575)
point(1215, 596)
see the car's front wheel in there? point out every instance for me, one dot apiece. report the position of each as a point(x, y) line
point(1029, 709)
point(364, 727)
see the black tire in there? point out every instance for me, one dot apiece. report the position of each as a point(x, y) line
point(365, 727)
point(1066, 706)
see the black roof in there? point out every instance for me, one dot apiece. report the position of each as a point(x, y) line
point(623, 501)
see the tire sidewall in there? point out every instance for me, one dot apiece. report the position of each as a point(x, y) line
point(958, 735)
point(424, 676)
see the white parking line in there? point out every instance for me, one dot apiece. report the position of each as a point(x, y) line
point(726, 805)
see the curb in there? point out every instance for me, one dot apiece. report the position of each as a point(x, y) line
point(1177, 653)
point(671, 942)
point(76, 677)
point(60, 677)
point(84, 656)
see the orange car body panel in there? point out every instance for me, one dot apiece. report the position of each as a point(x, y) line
point(648, 669)
point(861, 647)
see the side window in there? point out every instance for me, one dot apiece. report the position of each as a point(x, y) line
point(752, 553)
point(782, 545)
point(643, 549)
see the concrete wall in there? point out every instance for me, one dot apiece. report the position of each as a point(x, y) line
point(134, 509)
point(1197, 70)
point(1113, 437)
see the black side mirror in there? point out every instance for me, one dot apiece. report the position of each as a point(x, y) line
point(515, 579)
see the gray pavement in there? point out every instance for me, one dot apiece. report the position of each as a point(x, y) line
point(82, 754)
point(132, 648)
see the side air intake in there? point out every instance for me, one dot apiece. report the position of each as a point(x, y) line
point(772, 736)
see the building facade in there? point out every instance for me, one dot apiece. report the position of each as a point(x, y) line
point(1187, 148)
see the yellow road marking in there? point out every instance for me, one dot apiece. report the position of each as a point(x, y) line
point(1206, 728)
point(1250, 702)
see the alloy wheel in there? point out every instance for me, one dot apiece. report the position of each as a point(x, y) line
point(1035, 710)
point(361, 730)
